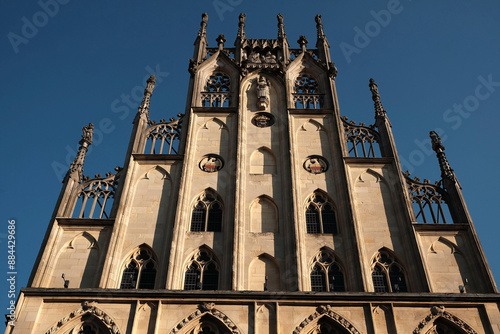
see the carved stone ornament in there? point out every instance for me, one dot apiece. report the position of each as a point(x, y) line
point(263, 96)
point(263, 120)
point(87, 308)
point(437, 312)
point(316, 164)
point(211, 163)
point(207, 308)
point(326, 311)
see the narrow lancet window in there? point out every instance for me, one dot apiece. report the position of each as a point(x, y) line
point(320, 215)
point(202, 272)
point(207, 213)
point(326, 273)
point(387, 273)
point(140, 270)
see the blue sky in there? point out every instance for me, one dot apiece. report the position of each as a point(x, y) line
point(436, 64)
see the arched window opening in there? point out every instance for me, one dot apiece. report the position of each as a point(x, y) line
point(326, 273)
point(306, 93)
point(387, 274)
point(96, 197)
point(327, 326)
point(444, 328)
point(207, 213)
point(320, 215)
point(362, 141)
point(163, 137)
point(428, 201)
point(140, 270)
point(202, 272)
point(217, 91)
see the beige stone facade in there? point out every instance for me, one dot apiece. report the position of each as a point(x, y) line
point(260, 210)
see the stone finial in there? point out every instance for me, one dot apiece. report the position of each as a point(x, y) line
point(75, 171)
point(88, 132)
point(437, 146)
point(303, 42)
point(220, 41)
point(241, 26)
point(319, 27)
point(148, 92)
point(203, 25)
point(379, 109)
point(281, 27)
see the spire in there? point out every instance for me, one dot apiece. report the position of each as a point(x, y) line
point(241, 27)
point(76, 168)
point(319, 28)
point(240, 39)
point(437, 146)
point(281, 27)
point(203, 26)
point(200, 44)
point(148, 92)
point(379, 109)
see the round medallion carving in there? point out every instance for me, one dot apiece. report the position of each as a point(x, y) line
point(315, 164)
point(263, 120)
point(211, 163)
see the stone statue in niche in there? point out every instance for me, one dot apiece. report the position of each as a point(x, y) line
point(254, 57)
point(270, 58)
point(263, 97)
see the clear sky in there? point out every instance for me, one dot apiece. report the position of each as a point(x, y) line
point(67, 63)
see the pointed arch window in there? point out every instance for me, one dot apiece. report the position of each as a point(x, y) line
point(139, 271)
point(207, 213)
point(387, 274)
point(202, 272)
point(306, 93)
point(320, 215)
point(326, 273)
point(217, 91)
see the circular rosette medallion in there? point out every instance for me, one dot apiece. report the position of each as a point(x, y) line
point(315, 164)
point(211, 163)
point(263, 120)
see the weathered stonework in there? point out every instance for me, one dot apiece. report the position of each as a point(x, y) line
point(260, 210)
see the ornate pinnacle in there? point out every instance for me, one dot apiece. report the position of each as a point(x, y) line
point(437, 146)
point(281, 27)
point(303, 42)
point(241, 26)
point(76, 168)
point(203, 25)
point(319, 27)
point(148, 92)
point(220, 41)
point(379, 109)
